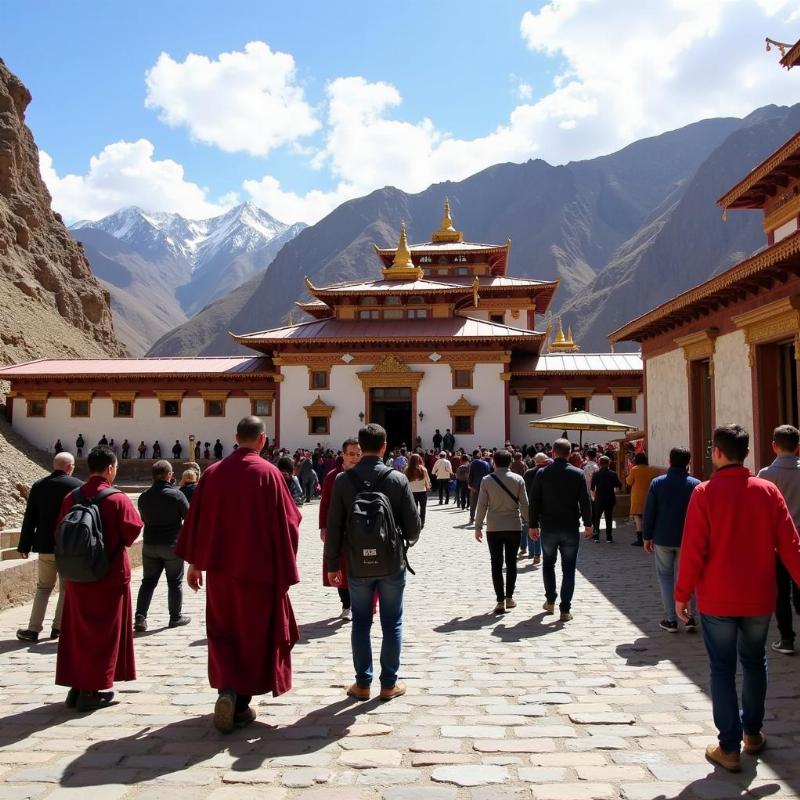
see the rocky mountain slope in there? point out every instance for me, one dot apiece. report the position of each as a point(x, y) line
point(50, 303)
point(568, 222)
point(162, 268)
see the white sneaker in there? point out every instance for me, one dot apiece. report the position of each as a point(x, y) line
point(346, 614)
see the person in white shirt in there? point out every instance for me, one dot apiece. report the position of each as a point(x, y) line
point(420, 483)
point(443, 470)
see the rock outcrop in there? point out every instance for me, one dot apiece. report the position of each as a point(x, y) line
point(50, 303)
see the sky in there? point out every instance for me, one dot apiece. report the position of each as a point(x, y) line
point(193, 106)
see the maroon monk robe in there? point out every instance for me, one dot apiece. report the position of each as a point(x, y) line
point(242, 529)
point(96, 643)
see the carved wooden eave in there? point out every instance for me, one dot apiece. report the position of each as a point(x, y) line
point(390, 371)
point(699, 345)
point(319, 408)
point(462, 408)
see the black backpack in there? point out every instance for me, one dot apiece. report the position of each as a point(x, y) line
point(80, 550)
point(373, 542)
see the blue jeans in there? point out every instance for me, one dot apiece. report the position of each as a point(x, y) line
point(666, 559)
point(390, 594)
point(155, 559)
point(525, 541)
point(566, 543)
point(724, 636)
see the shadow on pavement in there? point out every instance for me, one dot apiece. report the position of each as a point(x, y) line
point(156, 752)
point(529, 628)
point(320, 629)
point(620, 575)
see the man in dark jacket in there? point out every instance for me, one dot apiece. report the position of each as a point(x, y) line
point(604, 484)
point(372, 440)
point(37, 536)
point(560, 500)
point(533, 547)
point(163, 509)
point(664, 516)
point(478, 469)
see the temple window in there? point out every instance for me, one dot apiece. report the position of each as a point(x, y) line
point(462, 424)
point(261, 408)
point(320, 426)
point(319, 417)
point(462, 378)
point(462, 412)
point(36, 408)
point(499, 319)
point(79, 408)
point(171, 408)
point(425, 260)
point(416, 300)
point(123, 408)
point(462, 271)
point(530, 405)
point(578, 403)
point(417, 313)
point(369, 314)
point(366, 301)
point(625, 404)
point(442, 259)
point(319, 378)
point(460, 260)
point(393, 313)
point(392, 300)
point(215, 408)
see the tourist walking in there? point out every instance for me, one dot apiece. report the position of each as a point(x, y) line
point(527, 545)
point(560, 500)
point(664, 517)
point(351, 455)
point(286, 467)
point(368, 489)
point(731, 566)
point(478, 469)
point(38, 536)
point(248, 551)
point(189, 478)
point(443, 470)
point(604, 485)
point(306, 475)
point(503, 502)
point(96, 644)
point(162, 507)
point(639, 479)
point(784, 472)
point(462, 482)
point(420, 484)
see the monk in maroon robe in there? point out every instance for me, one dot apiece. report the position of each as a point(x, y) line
point(242, 530)
point(96, 645)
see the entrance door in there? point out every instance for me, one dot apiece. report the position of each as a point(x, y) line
point(392, 409)
point(702, 418)
point(776, 375)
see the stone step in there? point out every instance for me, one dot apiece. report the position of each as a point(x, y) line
point(9, 538)
point(9, 554)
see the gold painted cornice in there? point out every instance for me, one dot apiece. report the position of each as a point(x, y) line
point(390, 372)
point(698, 345)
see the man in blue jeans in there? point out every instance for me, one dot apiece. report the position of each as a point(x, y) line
point(731, 565)
point(534, 546)
point(560, 499)
point(394, 485)
point(664, 516)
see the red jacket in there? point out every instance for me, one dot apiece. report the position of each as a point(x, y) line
point(734, 525)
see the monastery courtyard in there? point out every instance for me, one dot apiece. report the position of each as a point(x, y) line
point(520, 706)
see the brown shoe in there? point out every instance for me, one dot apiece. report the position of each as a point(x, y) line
point(242, 718)
point(755, 744)
point(549, 608)
point(729, 761)
point(565, 616)
point(358, 692)
point(225, 712)
point(390, 692)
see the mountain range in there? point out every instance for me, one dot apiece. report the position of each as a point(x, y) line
point(621, 233)
point(161, 268)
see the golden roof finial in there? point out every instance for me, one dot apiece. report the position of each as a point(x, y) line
point(402, 266)
point(447, 231)
point(310, 286)
point(570, 340)
point(564, 343)
point(560, 338)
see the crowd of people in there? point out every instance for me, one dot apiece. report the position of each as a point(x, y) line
point(713, 572)
point(203, 451)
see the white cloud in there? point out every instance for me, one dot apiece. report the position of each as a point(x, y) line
point(125, 174)
point(246, 101)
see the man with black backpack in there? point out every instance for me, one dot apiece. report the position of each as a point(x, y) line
point(372, 521)
point(97, 524)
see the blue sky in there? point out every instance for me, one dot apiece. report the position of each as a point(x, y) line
point(338, 98)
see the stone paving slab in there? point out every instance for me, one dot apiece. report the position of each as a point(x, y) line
point(516, 706)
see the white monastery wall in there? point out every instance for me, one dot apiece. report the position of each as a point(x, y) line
point(732, 388)
point(667, 405)
point(146, 423)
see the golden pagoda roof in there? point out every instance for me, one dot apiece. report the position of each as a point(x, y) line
point(563, 343)
point(402, 267)
point(447, 231)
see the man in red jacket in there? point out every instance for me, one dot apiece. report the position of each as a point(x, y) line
point(735, 523)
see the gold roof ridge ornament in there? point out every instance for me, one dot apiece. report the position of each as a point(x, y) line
point(563, 343)
point(402, 267)
point(447, 231)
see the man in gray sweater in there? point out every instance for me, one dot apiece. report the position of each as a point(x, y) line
point(503, 502)
point(784, 472)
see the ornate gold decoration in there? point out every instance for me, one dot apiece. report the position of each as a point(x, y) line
point(777, 320)
point(214, 395)
point(562, 343)
point(402, 267)
point(260, 394)
point(476, 284)
point(79, 395)
point(390, 372)
point(699, 345)
point(462, 408)
point(447, 231)
point(319, 408)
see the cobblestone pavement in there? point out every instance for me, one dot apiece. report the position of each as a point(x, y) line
point(518, 706)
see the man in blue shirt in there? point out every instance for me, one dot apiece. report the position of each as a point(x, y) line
point(664, 515)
